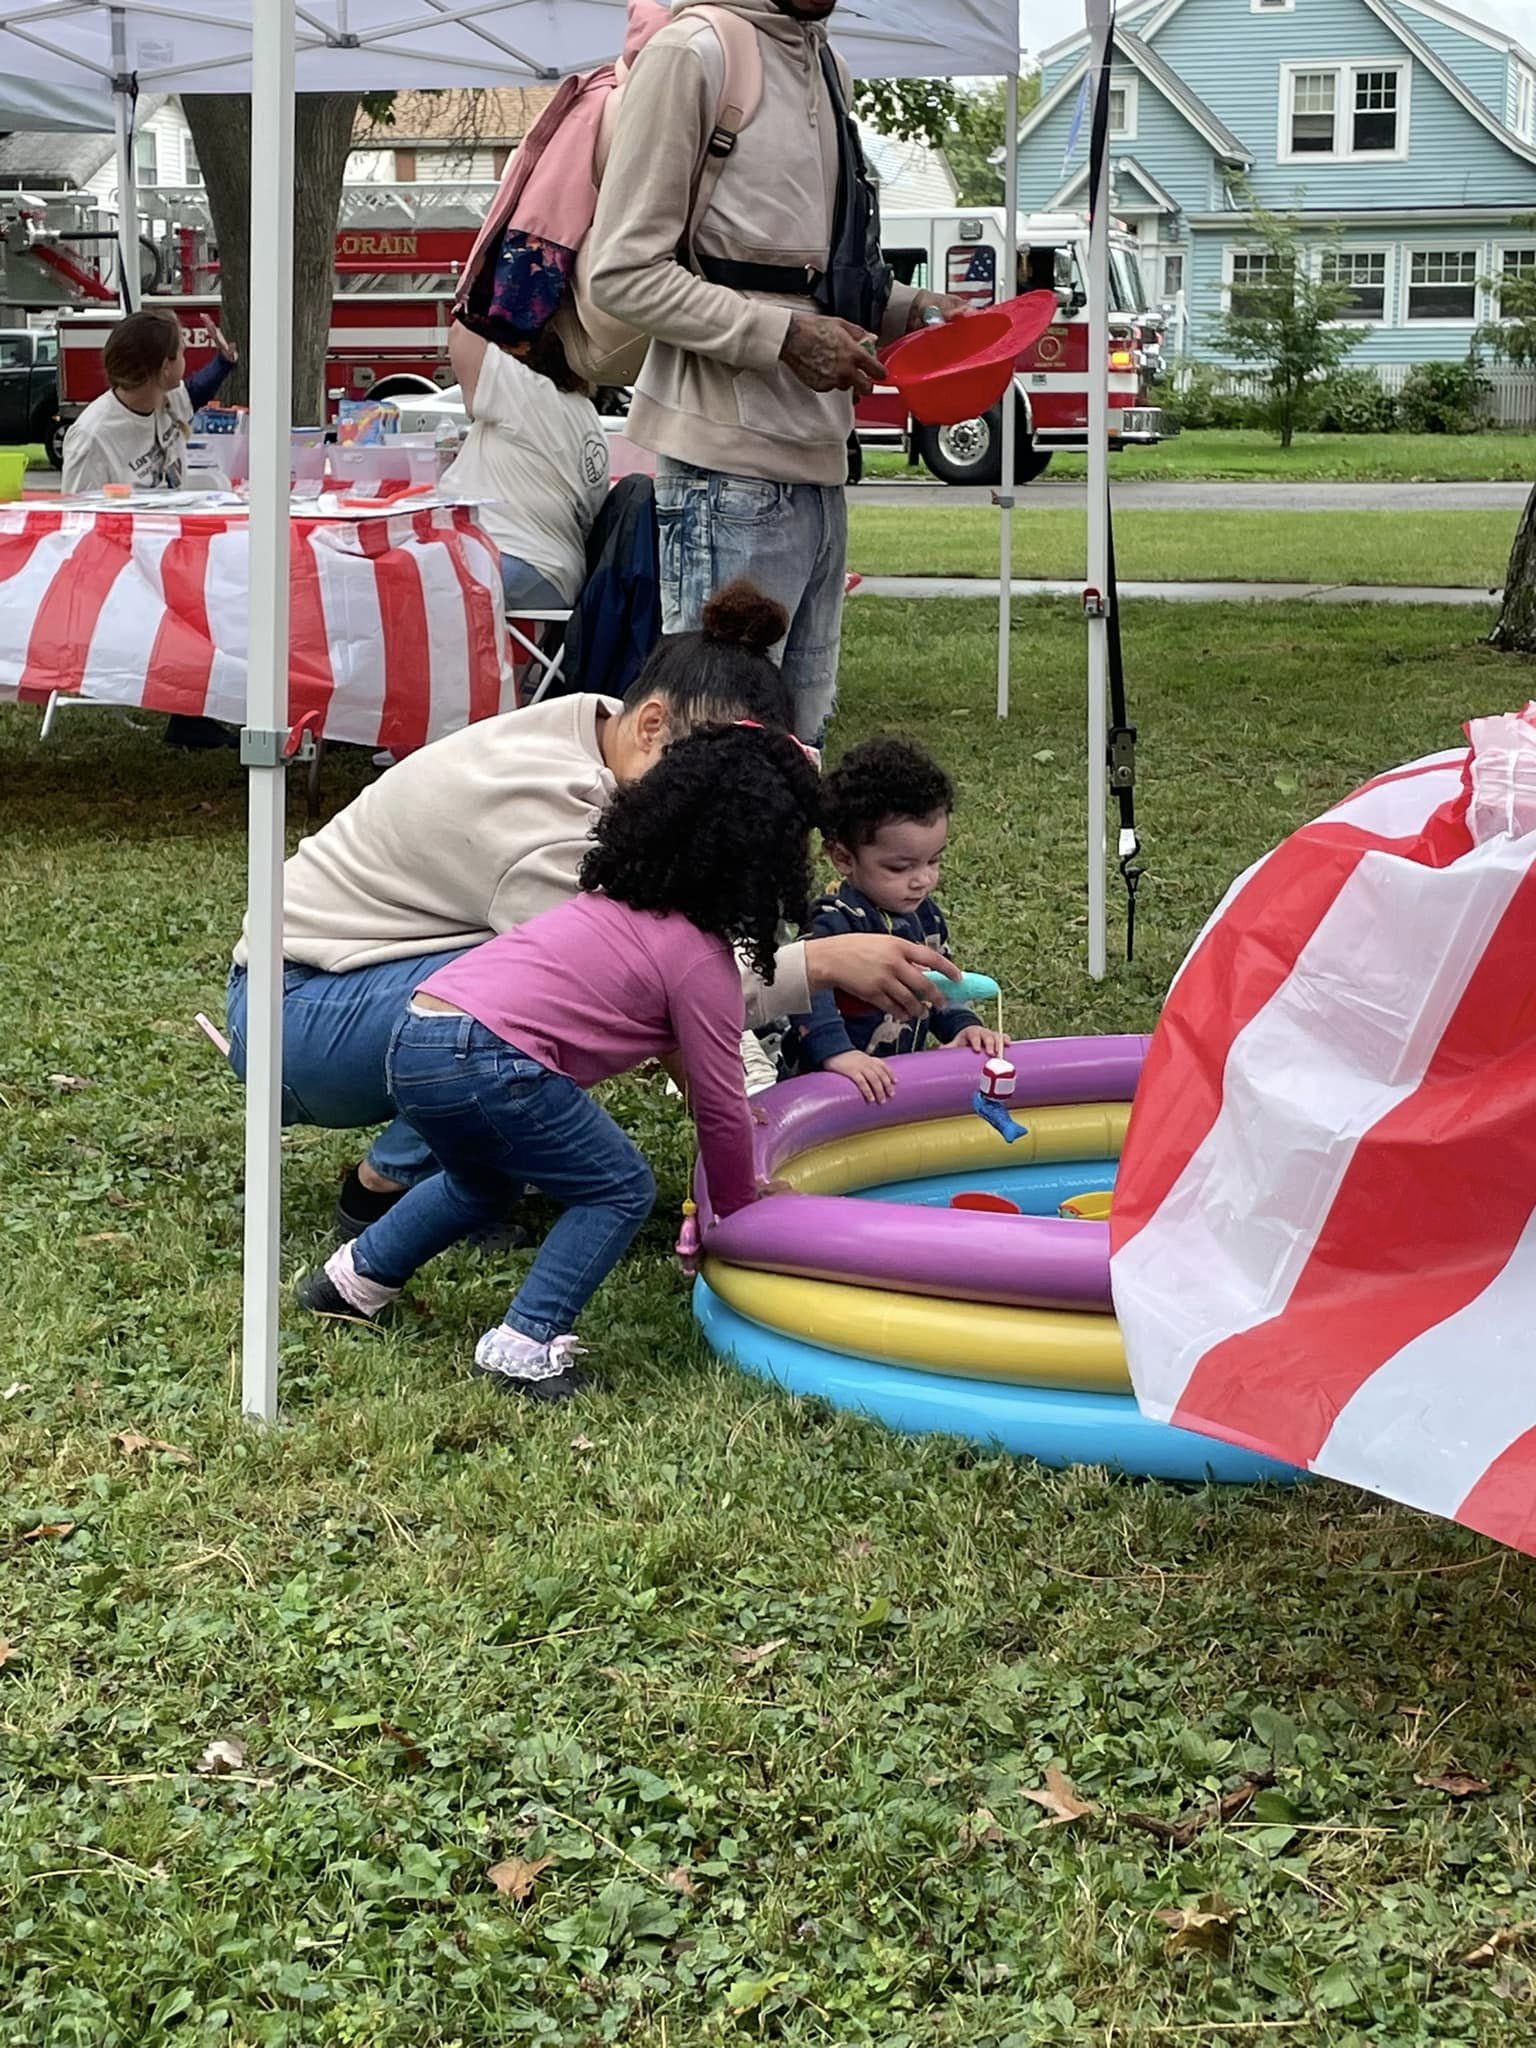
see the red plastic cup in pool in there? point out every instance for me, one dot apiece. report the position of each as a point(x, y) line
point(990, 1205)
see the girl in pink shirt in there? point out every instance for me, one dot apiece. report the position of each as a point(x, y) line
point(492, 1060)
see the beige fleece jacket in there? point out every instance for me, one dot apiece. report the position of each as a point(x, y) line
point(471, 836)
point(713, 391)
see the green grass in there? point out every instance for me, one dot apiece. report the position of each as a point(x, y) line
point(448, 1631)
point(1424, 548)
point(1315, 458)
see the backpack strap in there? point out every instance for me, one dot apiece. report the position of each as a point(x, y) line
point(741, 94)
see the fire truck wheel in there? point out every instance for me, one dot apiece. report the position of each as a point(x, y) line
point(971, 452)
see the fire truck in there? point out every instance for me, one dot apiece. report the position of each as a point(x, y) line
point(962, 253)
point(400, 249)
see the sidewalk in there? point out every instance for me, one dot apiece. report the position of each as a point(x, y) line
point(1176, 593)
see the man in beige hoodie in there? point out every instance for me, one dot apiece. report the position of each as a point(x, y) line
point(747, 392)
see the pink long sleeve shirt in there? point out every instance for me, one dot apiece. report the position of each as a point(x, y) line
point(594, 988)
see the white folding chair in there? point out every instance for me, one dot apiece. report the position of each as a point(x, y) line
point(545, 666)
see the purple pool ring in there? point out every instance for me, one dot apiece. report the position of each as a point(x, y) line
point(1032, 1262)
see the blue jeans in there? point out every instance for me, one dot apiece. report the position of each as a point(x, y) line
point(336, 1033)
point(791, 540)
point(497, 1119)
point(521, 583)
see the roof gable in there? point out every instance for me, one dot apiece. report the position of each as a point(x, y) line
point(1166, 83)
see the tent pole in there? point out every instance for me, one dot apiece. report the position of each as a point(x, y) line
point(1010, 401)
point(127, 171)
point(263, 741)
point(1098, 510)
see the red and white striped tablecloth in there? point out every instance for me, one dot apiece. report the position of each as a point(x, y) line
point(397, 631)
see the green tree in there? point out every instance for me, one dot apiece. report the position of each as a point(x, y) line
point(974, 142)
point(1285, 320)
point(1512, 337)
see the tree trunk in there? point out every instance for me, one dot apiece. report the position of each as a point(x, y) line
point(221, 130)
point(1516, 630)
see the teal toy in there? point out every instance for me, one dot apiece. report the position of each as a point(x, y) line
point(969, 989)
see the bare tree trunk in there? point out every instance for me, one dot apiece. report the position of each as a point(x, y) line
point(221, 129)
point(1516, 630)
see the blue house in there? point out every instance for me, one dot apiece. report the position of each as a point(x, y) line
point(1405, 129)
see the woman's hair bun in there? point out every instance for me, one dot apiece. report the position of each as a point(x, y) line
point(740, 616)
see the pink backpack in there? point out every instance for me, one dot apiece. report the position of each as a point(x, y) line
point(548, 193)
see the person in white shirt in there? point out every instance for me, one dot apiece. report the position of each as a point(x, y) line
point(537, 460)
point(136, 432)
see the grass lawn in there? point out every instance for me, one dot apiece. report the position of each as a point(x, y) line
point(1343, 458)
point(1424, 548)
point(754, 1691)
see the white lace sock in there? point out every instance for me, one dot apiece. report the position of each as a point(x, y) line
point(366, 1296)
point(516, 1357)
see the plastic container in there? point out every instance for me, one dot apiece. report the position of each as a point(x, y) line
point(13, 468)
point(961, 370)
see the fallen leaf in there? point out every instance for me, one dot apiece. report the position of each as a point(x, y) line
point(133, 1444)
point(1044, 756)
point(1180, 1833)
point(410, 1749)
point(8, 1652)
point(1501, 1940)
point(1059, 1797)
point(1203, 1929)
point(68, 1084)
point(226, 1753)
point(16, 1387)
point(45, 1530)
point(980, 1830)
point(582, 1443)
point(680, 1880)
point(517, 1876)
point(1455, 1784)
point(750, 1659)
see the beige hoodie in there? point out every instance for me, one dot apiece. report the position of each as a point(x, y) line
point(471, 836)
point(713, 391)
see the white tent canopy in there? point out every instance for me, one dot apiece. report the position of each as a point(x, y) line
point(379, 45)
point(271, 49)
point(50, 109)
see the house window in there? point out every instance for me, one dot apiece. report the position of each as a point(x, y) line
point(1313, 112)
point(1442, 284)
point(1344, 112)
point(146, 157)
point(1525, 103)
point(1375, 126)
point(1122, 110)
point(1173, 276)
point(1363, 274)
point(1519, 263)
point(1255, 273)
point(191, 169)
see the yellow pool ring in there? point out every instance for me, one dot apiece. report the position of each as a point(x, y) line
point(968, 1339)
point(871, 1159)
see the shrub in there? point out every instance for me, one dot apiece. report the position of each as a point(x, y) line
point(1444, 398)
point(1352, 402)
point(1198, 399)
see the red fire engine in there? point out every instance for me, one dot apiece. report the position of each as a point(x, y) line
point(399, 250)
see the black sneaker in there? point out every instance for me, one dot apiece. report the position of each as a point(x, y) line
point(319, 1293)
point(543, 1372)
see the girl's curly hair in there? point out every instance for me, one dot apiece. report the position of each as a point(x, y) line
point(719, 832)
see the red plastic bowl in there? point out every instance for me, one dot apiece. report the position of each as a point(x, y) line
point(960, 370)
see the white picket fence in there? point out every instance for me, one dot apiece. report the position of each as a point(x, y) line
point(1511, 393)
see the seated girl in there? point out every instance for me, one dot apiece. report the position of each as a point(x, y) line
point(536, 458)
point(493, 1057)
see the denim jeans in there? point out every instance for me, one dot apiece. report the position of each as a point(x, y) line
point(521, 583)
point(791, 540)
point(336, 1033)
point(497, 1119)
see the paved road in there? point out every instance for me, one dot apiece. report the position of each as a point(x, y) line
point(1146, 494)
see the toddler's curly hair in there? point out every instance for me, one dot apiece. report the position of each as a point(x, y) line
point(718, 831)
point(878, 782)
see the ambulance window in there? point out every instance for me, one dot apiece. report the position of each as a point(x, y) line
point(910, 266)
point(1039, 269)
point(1127, 263)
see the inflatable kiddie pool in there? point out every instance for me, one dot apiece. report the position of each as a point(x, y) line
point(867, 1288)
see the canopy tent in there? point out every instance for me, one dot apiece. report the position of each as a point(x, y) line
point(271, 49)
point(52, 109)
